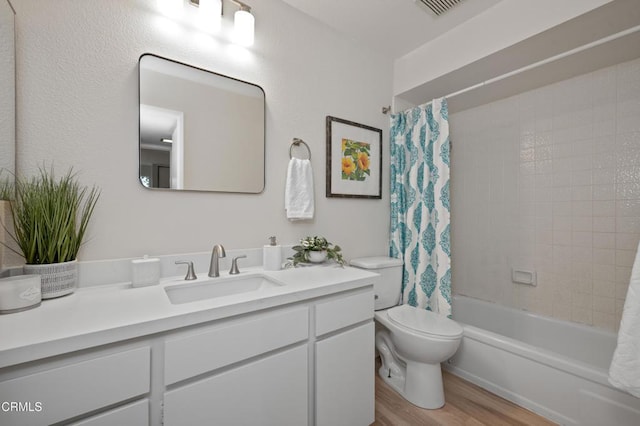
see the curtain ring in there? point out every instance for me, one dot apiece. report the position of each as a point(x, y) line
point(297, 142)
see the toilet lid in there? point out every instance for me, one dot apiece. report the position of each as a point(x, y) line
point(426, 322)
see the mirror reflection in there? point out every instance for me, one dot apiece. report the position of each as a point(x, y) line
point(7, 94)
point(199, 130)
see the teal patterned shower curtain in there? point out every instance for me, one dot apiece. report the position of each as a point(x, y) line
point(420, 211)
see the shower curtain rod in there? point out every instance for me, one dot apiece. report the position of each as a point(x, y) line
point(579, 49)
point(548, 60)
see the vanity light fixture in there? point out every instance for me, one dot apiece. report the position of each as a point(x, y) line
point(209, 17)
point(243, 25)
point(166, 140)
point(170, 8)
point(209, 14)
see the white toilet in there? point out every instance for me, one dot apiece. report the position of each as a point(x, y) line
point(412, 342)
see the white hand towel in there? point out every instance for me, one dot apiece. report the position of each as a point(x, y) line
point(298, 192)
point(624, 372)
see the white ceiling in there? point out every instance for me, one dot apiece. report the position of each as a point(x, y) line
point(392, 27)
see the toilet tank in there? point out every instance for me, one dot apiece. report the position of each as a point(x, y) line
point(387, 288)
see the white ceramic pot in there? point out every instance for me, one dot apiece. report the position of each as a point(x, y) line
point(58, 279)
point(317, 256)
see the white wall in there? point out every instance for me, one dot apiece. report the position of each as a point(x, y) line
point(7, 88)
point(549, 180)
point(78, 101)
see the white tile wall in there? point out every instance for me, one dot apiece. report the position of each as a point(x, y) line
point(549, 180)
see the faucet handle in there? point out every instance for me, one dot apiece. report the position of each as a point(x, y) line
point(234, 265)
point(191, 275)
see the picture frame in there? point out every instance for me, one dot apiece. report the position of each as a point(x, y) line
point(354, 160)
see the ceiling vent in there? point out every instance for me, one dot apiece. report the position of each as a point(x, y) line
point(439, 6)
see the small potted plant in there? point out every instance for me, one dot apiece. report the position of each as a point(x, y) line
point(50, 217)
point(315, 250)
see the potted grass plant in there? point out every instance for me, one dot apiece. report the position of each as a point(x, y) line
point(6, 188)
point(50, 218)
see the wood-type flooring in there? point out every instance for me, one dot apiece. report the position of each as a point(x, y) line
point(465, 404)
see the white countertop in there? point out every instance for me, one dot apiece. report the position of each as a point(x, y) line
point(105, 314)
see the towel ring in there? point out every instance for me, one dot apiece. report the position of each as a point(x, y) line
point(297, 142)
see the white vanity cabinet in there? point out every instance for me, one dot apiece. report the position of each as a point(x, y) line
point(306, 361)
point(251, 370)
point(344, 357)
point(47, 392)
point(308, 364)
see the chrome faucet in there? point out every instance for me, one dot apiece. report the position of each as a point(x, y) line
point(216, 253)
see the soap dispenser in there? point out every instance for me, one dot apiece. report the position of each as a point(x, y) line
point(272, 256)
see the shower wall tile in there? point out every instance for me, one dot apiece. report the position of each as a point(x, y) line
point(604, 256)
point(561, 311)
point(549, 180)
point(603, 320)
point(604, 288)
point(625, 258)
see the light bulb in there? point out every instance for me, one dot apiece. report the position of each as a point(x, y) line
point(243, 27)
point(210, 15)
point(170, 8)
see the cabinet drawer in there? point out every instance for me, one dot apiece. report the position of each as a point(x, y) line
point(344, 311)
point(75, 389)
point(271, 391)
point(219, 345)
point(136, 414)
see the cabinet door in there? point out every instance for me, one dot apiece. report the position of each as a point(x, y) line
point(269, 391)
point(135, 414)
point(211, 347)
point(57, 394)
point(345, 391)
point(342, 311)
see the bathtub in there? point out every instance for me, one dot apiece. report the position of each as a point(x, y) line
point(554, 368)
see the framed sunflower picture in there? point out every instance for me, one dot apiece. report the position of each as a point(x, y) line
point(354, 159)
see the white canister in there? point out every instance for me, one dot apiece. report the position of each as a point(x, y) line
point(19, 293)
point(145, 271)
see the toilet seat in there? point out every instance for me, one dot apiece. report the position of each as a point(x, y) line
point(425, 322)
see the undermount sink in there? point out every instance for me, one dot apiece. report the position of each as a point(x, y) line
point(218, 287)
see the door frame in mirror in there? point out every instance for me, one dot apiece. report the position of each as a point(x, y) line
point(259, 180)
